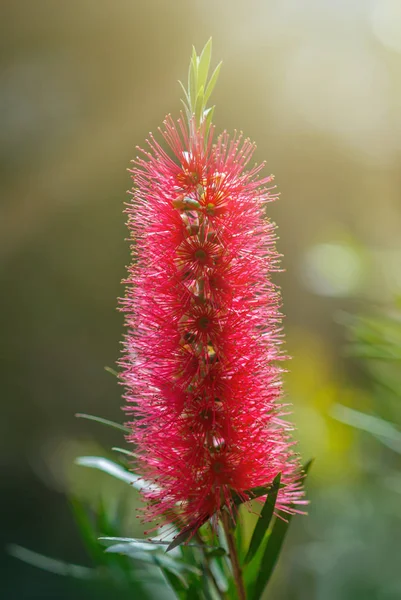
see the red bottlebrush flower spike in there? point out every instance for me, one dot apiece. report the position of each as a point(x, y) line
point(202, 350)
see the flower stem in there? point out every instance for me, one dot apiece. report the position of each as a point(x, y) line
point(207, 566)
point(233, 554)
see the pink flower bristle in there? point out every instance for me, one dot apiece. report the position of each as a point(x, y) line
point(204, 328)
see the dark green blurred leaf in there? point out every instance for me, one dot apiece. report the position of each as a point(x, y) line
point(252, 494)
point(103, 421)
point(179, 586)
point(50, 564)
point(216, 552)
point(88, 531)
point(263, 522)
point(107, 523)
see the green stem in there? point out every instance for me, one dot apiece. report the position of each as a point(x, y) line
point(233, 554)
point(208, 568)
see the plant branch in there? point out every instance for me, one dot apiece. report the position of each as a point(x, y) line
point(233, 554)
point(207, 566)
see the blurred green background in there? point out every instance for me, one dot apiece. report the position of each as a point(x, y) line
point(316, 83)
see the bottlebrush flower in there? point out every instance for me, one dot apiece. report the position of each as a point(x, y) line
point(202, 350)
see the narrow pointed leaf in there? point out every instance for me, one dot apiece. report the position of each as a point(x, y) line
point(219, 551)
point(272, 549)
point(263, 522)
point(208, 117)
point(204, 63)
point(110, 467)
point(199, 106)
point(193, 80)
point(212, 82)
point(156, 557)
point(271, 555)
point(179, 539)
point(111, 371)
point(374, 425)
point(177, 584)
point(124, 451)
point(187, 109)
point(185, 92)
point(252, 494)
point(307, 466)
point(87, 530)
point(51, 564)
point(130, 545)
point(103, 421)
point(206, 593)
point(156, 543)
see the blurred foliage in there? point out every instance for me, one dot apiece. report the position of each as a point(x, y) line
point(355, 516)
point(198, 570)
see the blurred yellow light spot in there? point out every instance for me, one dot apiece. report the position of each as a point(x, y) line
point(332, 269)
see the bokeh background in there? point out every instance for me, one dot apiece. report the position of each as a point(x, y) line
point(316, 83)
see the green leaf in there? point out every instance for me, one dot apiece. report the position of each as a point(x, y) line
point(263, 522)
point(219, 551)
point(199, 106)
point(108, 523)
point(87, 530)
point(185, 94)
point(103, 421)
point(112, 468)
point(199, 88)
point(134, 544)
point(124, 451)
point(208, 117)
point(51, 564)
point(207, 591)
point(271, 555)
point(180, 538)
point(177, 584)
point(193, 79)
point(187, 110)
point(156, 557)
point(252, 494)
point(383, 430)
point(374, 351)
point(239, 536)
point(156, 543)
point(172, 574)
point(272, 550)
point(307, 466)
point(204, 63)
point(111, 371)
point(212, 82)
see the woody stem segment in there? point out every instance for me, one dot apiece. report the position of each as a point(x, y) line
point(232, 549)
